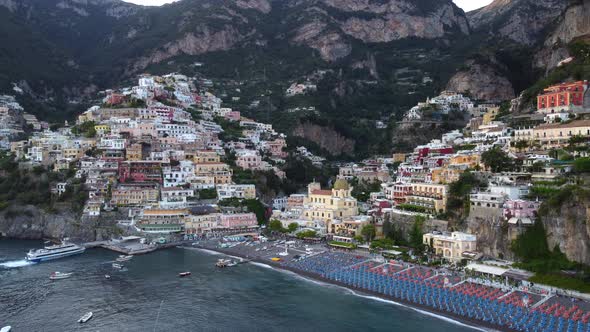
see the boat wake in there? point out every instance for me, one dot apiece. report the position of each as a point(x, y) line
point(15, 264)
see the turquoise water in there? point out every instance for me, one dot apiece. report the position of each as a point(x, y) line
point(148, 296)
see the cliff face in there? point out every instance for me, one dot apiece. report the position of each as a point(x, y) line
point(327, 138)
point(575, 23)
point(327, 25)
point(30, 222)
point(568, 226)
point(482, 81)
point(522, 21)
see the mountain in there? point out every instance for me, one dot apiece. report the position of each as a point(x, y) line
point(371, 59)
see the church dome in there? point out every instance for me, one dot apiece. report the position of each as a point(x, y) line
point(341, 184)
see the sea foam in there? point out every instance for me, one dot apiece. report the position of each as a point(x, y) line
point(15, 264)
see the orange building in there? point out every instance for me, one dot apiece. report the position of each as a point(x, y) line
point(562, 97)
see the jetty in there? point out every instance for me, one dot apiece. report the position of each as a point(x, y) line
point(129, 245)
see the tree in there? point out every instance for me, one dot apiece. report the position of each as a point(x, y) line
point(308, 233)
point(368, 232)
point(582, 165)
point(275, 225)
point(520, 145)
point(293, 227)
point(497, 160)
point(416, 234)
point(387, 226)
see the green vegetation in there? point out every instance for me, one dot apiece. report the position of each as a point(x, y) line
point(532, 249)
point(208, 193)
point(362, 190)
point(497, 160)
point(343, 244)
point(292, 227)
point(231, 130)
point(85, 129)
point(582, 165)
point(384, 244)
point(368, 232)
point(416, 234)
point(307, 234)
point(412, 208)
point(252, 205)
point(275, 225)
point(458, 201)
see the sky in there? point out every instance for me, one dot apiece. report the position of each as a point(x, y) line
point(467, 5)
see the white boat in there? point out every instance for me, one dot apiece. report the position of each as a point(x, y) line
point(6, 328)
point(107, 276)
point(117, 266)
point(59, 275)
point(85, 318)
point(54, 252)
point(124, 258)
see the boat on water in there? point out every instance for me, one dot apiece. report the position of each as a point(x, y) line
point(59, 275)
point(61, 250)
point(85, 318)
point(106, 276)
point(6, 328)
point(225, 263)
point(117, 266)
point(184, 274)
point(124, 258)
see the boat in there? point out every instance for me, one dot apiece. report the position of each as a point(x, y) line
point(6, 328)
point(107, 276)
point(184, 274)
point(85, 318)
point(59, 275)
point(222, 262)
point(117, 266)
point(50, 252)
point(124, 258)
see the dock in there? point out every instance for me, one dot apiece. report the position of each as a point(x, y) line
point(128, 247)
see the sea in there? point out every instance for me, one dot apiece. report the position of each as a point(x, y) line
point(148, 295)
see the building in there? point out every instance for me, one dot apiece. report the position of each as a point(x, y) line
point(134, 194)
point(221, 172)
point(199, 224)
point(549, 136)
point(238, 220)
point(140, 171)
point(240, 191)
point(564, 97)
point(175, 197)
point(451, 246)
point(520, 211)
point(329, 205)
point(162, 220)
point(433, 197)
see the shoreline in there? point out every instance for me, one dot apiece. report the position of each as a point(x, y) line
point(472, 323)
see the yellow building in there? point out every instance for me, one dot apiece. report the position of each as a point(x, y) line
point(430, 196)
point(102, 129)
point(132, 195)
point(133, 152)
point(162, 220)
point(220, 171)
point(206, 156)
point(197, 224)
point(445, 175)
point(72, 153)
point(329, 205)
point(451, 246)
point(490, 115)
point(551, 136)
point(470, 160)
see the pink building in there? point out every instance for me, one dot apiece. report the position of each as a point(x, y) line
point(233, 116)
point(240, 220)
point(520, 209)
point(248, 159)
point(276, 147)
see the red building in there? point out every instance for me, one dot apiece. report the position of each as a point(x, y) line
point(563, 97)
point(140, 171)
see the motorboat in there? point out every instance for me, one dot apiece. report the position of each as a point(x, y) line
point(124, 258)
point(184, 274)
point(225, 263)
point(6, 328)
point(117, 266)
point(106, 276)
point(59, 275)
point(85, 318)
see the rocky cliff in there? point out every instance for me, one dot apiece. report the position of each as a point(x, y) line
point(567, 224)
point(31, 222)
point(575, 23)
point(521, 21)
point(327, 138)
point(483, 81)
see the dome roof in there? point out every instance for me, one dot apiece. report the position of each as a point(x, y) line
point(341, 184)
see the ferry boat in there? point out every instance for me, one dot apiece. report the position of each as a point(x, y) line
point(54, 252)
point(59, 275)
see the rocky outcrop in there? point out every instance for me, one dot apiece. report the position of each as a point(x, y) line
point(483, 82)
point(31, 222)
point(260, 5)
point(203, 41)
point(574, 24)
point(327, 138)
point(522, 21)
point(568, 226)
